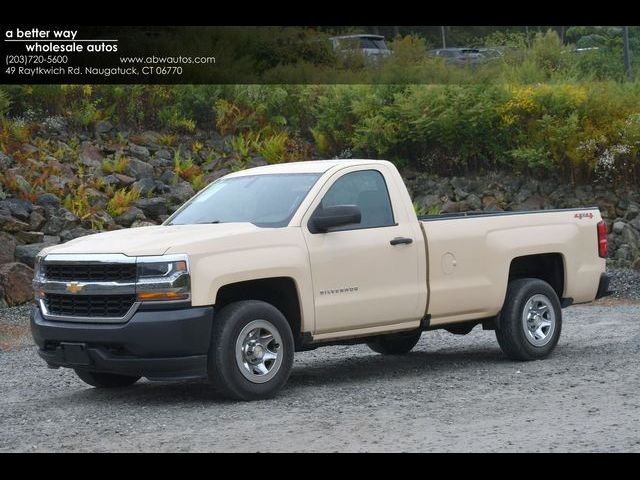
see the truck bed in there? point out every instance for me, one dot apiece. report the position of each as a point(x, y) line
point(470, 255)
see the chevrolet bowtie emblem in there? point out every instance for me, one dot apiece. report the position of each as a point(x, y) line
point(74, 287)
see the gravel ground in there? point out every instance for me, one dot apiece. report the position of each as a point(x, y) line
point(452, 393)
point(625, 282)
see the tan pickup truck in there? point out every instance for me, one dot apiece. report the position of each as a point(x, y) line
point(283, 258)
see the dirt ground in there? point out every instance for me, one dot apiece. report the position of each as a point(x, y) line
point(452, 393)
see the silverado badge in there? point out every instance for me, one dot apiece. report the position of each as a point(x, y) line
point(74, 287)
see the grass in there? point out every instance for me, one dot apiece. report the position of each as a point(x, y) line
point(118, 165)
point(121, 201)
point(185, 168)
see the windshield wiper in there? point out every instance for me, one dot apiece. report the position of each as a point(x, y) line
point(206, 223)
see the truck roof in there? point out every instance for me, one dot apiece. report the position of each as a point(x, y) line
point(310, 166)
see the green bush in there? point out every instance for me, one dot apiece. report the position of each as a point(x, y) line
point(552, 126)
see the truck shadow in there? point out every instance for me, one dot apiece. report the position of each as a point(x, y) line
point(363, 368)
point(311, 372)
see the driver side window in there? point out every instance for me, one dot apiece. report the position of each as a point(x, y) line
point(366, 189)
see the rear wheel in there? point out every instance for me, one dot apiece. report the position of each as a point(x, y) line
point(395, 343)
point(105, 380)
point(531, 320)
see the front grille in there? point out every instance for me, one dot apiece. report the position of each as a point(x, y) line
point(89, 305)
point(95, 272)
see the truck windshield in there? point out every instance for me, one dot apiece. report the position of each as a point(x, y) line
point(267, 200)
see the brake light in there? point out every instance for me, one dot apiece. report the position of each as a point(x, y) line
point(602, 239)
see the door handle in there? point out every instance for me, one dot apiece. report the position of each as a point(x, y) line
point(401, 241)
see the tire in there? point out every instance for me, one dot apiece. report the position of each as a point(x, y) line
point(521, 334)
point(105, 380)
point(395, 343)
point(243, 363)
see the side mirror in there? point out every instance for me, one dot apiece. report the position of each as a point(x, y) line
point(336, 216)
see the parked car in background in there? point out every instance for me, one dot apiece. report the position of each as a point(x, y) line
point(491, 53)
point(458, 55)
point(371, 46)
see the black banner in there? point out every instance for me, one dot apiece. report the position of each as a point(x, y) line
point(187, 55)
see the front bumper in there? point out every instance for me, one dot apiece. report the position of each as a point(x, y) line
point(603, 286)
point(157, 344)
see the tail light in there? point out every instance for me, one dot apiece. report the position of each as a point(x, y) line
point(602, 239)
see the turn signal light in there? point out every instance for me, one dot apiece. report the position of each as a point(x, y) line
point(166, 296)
point(602, 239)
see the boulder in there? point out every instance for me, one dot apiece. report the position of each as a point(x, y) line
point(427, 201)
point(48, 200)
point(90, 156)
point(624, 253)
point(6, 161)
point(130, 216)
point(618, 227)
point(161, 163)
point(103, 126)
point(216, 175)
point(60, 220)
point(460, 194)
point(36, 221)
point(169, 177)
point(12, 225)
point(152, 207)
point(124, 180)
point(15, 279)
point(631, 237)
point(160, 187)
point(460, 183)
point(27, 253)
point(7, 248)
point(181, 192)
point(534, 202)
point(212, 164)
point(21, 209)
point(164, 154)
point(139, 151)
point(111, 179)
point(59, 182)
point(139, 169)
point(23, 184)
point(632, 211)
point(75, 232)
point(144, 185)
point(474, 202)
point(30, 236)
point(451, 207)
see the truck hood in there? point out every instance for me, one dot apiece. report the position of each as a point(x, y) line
point(154, 240)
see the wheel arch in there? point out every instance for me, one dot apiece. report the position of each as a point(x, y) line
point(281, 292)
point(549, 267)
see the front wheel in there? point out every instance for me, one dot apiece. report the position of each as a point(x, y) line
point(105, 380)
point(530, 321)
point(395, 343)
point(251, 351)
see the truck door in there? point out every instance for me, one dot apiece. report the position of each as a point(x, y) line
point(364, 275)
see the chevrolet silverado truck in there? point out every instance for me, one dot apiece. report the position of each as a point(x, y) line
point(273, 260)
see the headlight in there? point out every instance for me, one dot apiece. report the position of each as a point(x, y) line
point(163, 280)
point(38, 276)
point(161, 269)
point(37, 266)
